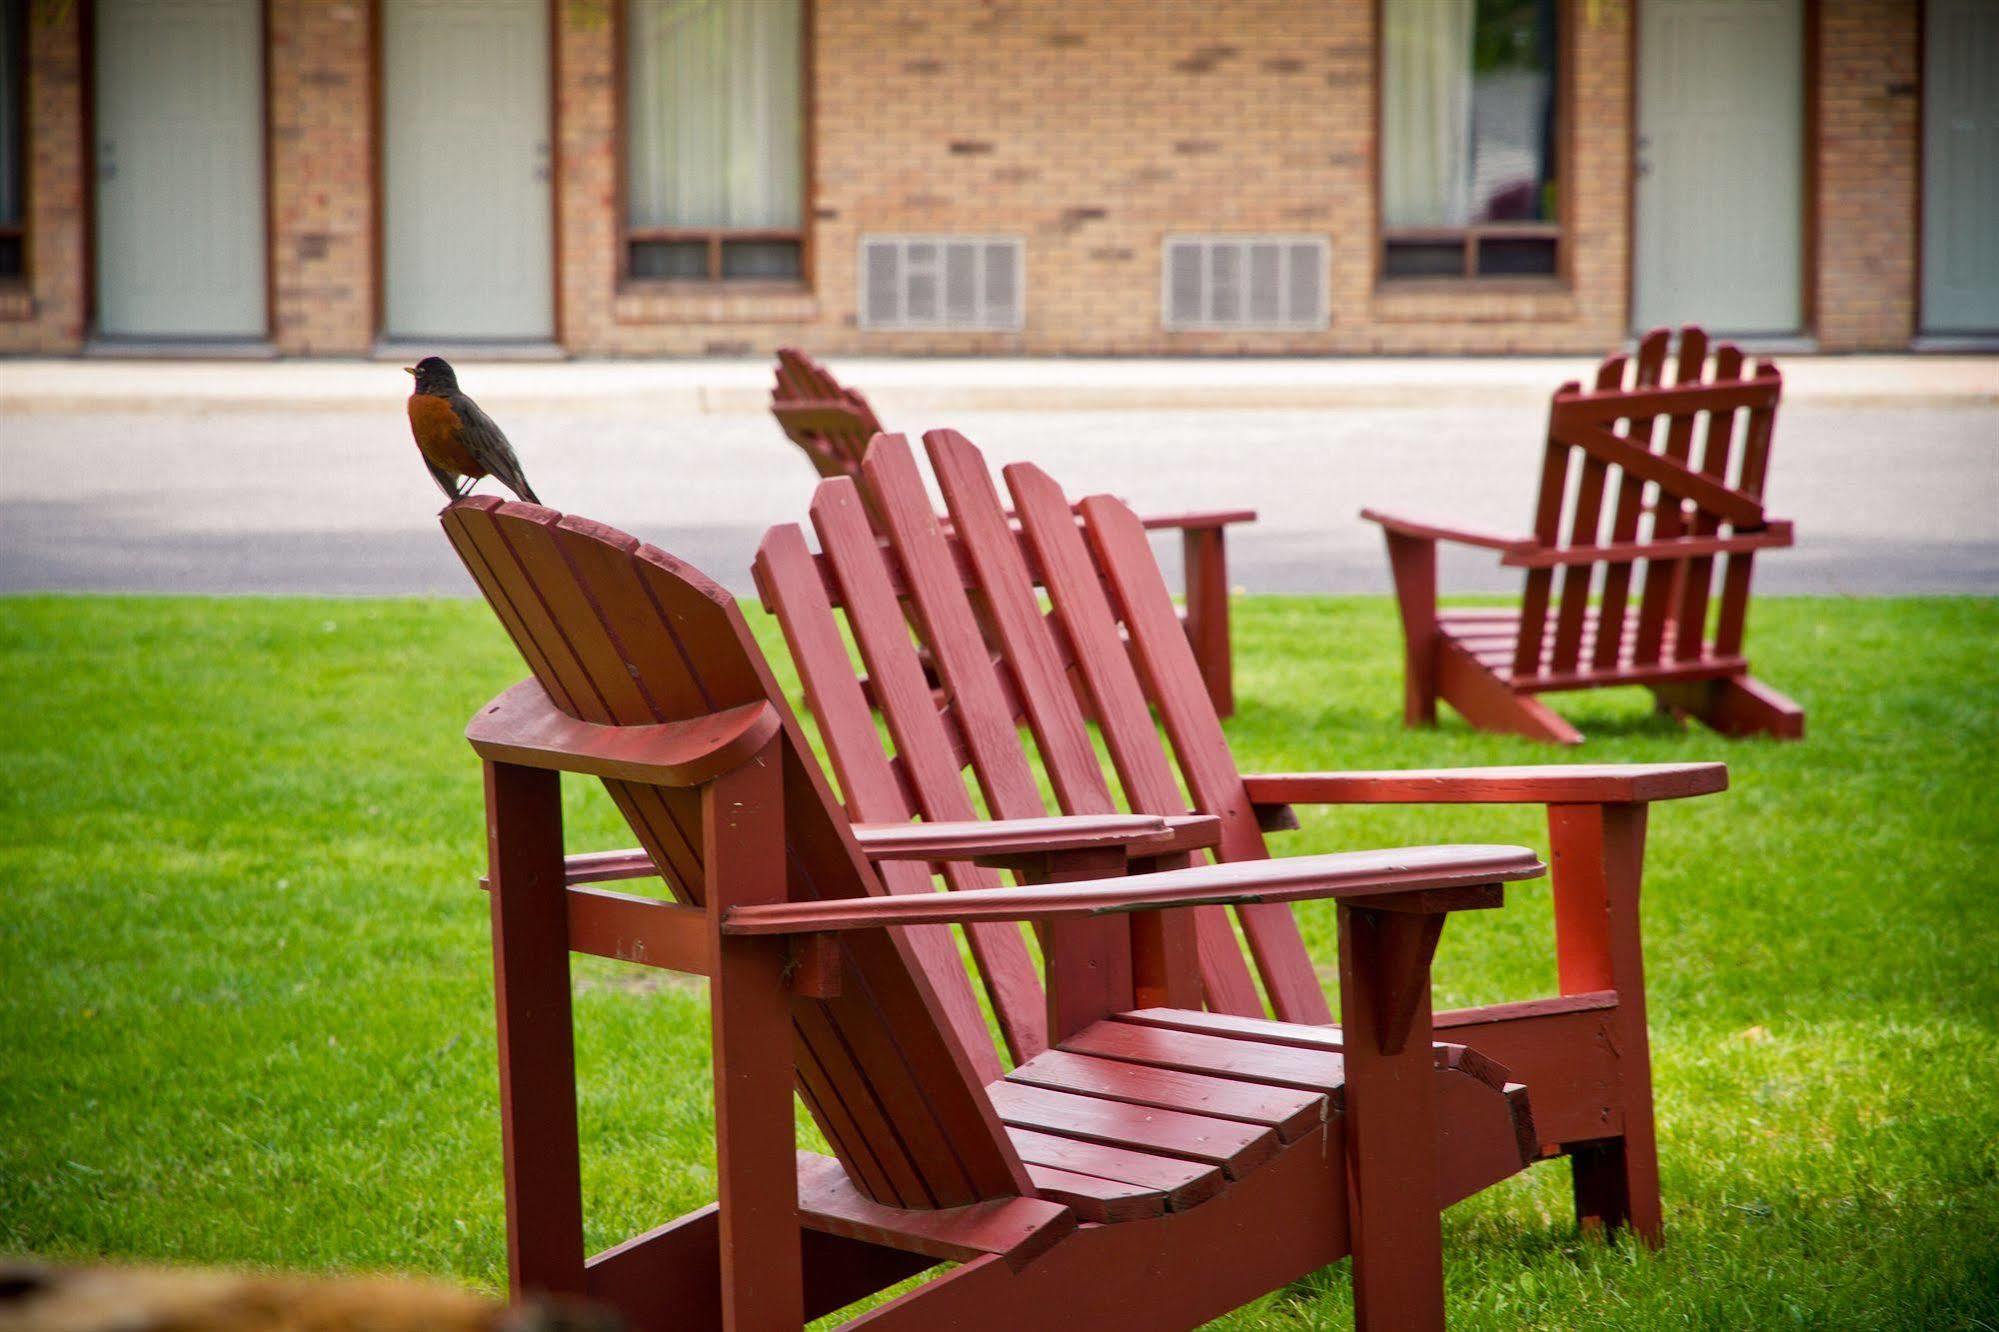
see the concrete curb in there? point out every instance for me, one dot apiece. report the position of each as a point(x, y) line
point(925, 388)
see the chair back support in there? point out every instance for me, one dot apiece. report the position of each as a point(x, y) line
point(620, 633)
point(1105, 660)
point(822, 416)
point(1637, 462)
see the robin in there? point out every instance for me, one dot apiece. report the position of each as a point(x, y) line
point(456, 438)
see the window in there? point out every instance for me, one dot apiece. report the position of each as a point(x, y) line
point(13, 138)
point(962, 283)
point(1469, 162)
point(715, 161)
point(1244, 282)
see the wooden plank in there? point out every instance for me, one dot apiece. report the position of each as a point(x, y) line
point(1180, 1182)
point(1613, 783)
point(1188, 714)
point(1017, 1229)
point(1628, 508)
point(1487, 701)
point(795, 594)
point(1291, 1112)
point(986, 838)
point(639, 930)
point(1204, 564)
point(1690, 615)
point(1670, 474)
point(1657, 600)
point(1119, 703)
point(1565, 1049)
point(951, 632)
point(1547, 532)
point(1216, 1056)
point(1773, 535)
point(1584, 527)
point(763, 1271)
point(1459, 877)
point(1392, 1122)
point(1690, 394)
point(1730, 621)
point(1105, 1201)
point(1235, 1146)
point(1021, 628)
point(538, 1142)
point(882, 635)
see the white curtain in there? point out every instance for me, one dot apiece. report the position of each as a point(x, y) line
point(715, 134)
point(1426, 113)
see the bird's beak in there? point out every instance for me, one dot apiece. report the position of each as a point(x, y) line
point(409, 369)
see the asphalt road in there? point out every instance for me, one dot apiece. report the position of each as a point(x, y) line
point(329, 498)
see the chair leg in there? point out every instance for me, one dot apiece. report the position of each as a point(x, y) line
point(536, 1041)
point(762, 1277)
point(1598, 855)
point(1487, 703)
point(1206, 570)
point(1737, 705)
point(1392, 1191)
point(1412, 562)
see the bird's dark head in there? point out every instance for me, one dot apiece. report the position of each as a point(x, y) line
point(434, 375)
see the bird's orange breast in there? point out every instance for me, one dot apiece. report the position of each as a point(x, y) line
point(435, 426)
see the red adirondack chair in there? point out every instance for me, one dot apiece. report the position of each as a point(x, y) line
point(833, 425)
point(1152, 1172)
point(1110, 627)
point(1667, 512)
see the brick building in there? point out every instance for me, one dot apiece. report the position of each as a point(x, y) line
point(632, 177)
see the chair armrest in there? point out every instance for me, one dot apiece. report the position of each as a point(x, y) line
point(1549, 784)
point(1141, 834)
point(524, 727)
point(1201, 518)
point(1464, 536)
point(1424, 879)
point(1774, 534)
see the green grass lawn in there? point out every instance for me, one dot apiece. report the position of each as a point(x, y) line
point(245, 1007)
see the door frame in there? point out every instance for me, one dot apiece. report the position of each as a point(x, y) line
point(87, 23)
point(378, 121)
point(1808, 178)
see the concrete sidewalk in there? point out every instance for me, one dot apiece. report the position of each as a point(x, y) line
point(926, 386)
point(300, 476)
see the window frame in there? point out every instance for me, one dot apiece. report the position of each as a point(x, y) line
point(1561, 230)
point(23, 144)
point(713, 237)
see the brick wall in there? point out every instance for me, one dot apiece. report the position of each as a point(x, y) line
point(1093, 130)
point(1868, 106)
point(1091, 127)
point(322, 232)
point(46, 314)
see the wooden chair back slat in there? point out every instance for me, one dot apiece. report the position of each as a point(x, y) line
point(622, 634)
point(789, 581)
point(1662, 576)
point(1583, 528)
point(1736, 569)
point(1690, 616)
point(1188, 713)
point(1117, 699)
point(831, 422)
point(923, 747)
point(1547, 531)
point(1024, 634)
point(951, 631)
point(1629, 509)
point(1636, 447)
